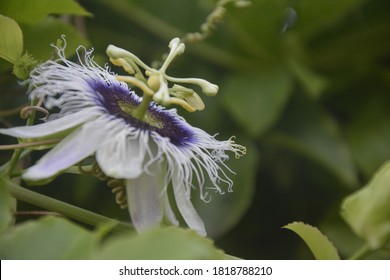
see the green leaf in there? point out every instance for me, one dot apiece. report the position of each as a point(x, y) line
point(257, 29)
point(256, 101)
point(38, 38)
point(158, 244)
point(367, 211)
point(369, 132)
point(309, 130)
point(47, 238)
point(6, 206)
point(341, 234)
point(11, 39)
point(224, 211)
point(315, 16)
point(311, 81)
point(33, 11)
point(24, 66)
point(318, 243)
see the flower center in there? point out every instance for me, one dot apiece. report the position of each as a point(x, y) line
point(148, 118)
point(122, 103)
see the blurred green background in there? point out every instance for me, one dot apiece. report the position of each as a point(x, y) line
point(304, 85)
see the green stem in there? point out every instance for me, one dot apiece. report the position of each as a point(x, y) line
point(13, 161)
point(30, 144)
point(17, 152)
point(167, 31)
point(140, 112)
point(362, 253)
point(4, 167)
point(63, 208)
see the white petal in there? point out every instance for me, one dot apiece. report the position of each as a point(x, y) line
point(186, 208)
point(121, 155)
point(168, 212)
point(144, 200)
point(72, 149)
point(51, 127)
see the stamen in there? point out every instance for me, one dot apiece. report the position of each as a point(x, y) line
point(207, 88)
point(177, 48)
point(157, 83)
point(115, 52)
point(136, 82)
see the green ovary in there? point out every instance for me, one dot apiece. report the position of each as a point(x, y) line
point(148, 118)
